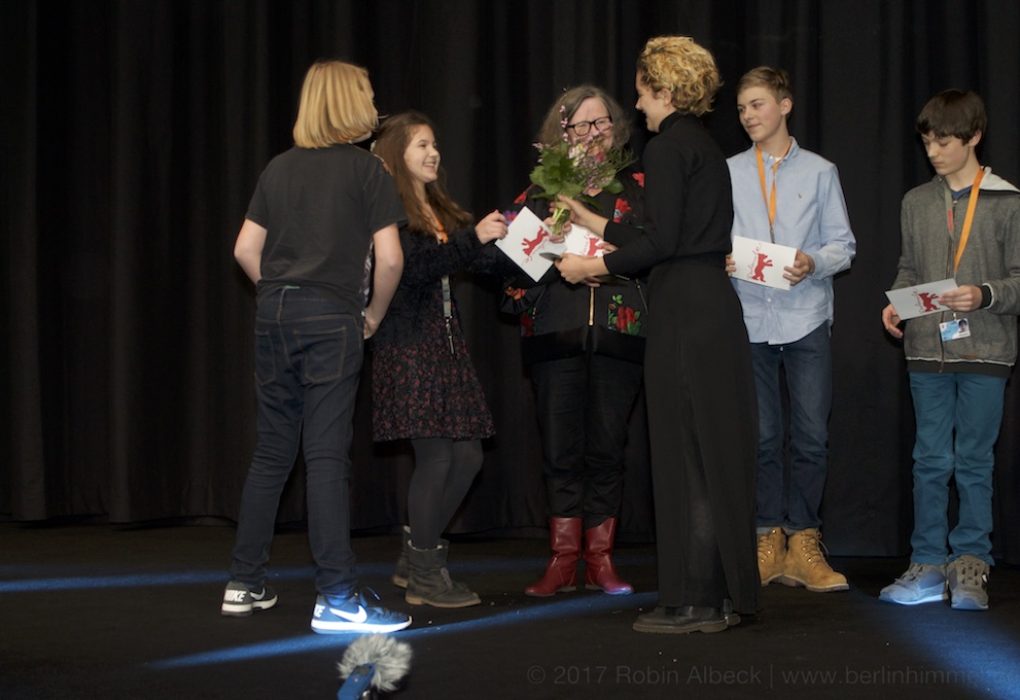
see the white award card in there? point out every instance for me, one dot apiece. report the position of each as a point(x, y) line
point(761, 262)
point(921, 299)
point(527, 237)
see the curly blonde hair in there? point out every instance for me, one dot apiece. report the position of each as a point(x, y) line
point(686, 69)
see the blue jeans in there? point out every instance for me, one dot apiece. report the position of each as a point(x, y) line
point(308, 359)
point(971, 406)
point(808, 365)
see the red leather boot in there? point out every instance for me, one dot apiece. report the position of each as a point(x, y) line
point(561, 571)
point(599, 573)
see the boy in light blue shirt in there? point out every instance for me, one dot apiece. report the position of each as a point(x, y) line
point(787, 195)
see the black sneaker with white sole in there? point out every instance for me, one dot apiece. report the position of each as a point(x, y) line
point(356, 613)
point(241, 601)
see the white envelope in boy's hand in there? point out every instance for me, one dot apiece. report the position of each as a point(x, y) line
point(761, 262)
point(921, 299)
point(526, 239)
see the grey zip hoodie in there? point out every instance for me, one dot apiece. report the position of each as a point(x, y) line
point(990, 260)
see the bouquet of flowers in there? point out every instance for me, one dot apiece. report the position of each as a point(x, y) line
point(572, 169)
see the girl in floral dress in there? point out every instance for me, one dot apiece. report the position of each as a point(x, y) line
point(424, 387)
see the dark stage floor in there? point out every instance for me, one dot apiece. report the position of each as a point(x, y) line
point(104, 612)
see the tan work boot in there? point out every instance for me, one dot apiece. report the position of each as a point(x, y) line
point(771, 555)
point(806, 566)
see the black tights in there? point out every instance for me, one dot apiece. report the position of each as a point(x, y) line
point(443, 472)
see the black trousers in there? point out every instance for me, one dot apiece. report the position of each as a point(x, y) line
point(584, 405)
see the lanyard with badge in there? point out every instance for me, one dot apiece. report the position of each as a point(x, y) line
point(440, 233)
point(770, 197)
point(960, 327)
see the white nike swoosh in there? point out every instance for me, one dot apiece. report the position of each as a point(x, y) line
point(358, 617)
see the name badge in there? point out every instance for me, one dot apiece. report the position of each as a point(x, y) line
point(955, 329)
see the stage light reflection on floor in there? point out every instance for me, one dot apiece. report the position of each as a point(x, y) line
point(558, 610)
point(163, 578)
point(964, 649)
point(28, 579)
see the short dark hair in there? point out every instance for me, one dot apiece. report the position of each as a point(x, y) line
point(959, 113)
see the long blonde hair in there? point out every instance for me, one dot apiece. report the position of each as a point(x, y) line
point(336, 106)
point(686, 69)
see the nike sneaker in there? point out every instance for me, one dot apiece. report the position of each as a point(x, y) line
point(240, 601)
point(356, 613)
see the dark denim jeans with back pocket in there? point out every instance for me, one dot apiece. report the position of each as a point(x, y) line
point(308, 357)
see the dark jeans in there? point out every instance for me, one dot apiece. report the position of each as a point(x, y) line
point(584, 405)
point(808, 365)
point(307, 365)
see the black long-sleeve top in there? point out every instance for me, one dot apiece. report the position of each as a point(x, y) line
point(688, 199)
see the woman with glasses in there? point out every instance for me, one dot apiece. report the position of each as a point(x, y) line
point(584, 345)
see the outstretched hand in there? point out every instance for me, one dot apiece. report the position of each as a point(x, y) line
point(492, 227)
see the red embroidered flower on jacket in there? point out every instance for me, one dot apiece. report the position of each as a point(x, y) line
point(523, 196)
point(639, 178)
point(625, 316)
point(624, 319)
point(621, 209)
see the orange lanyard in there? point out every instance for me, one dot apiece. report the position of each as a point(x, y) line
point(770, 197)
point(968, 219)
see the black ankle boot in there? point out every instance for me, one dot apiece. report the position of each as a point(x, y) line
point(682, 620)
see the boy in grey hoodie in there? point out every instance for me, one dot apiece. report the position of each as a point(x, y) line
point(964, 224)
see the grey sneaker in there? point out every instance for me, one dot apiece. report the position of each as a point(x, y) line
point(921, 583)
point(968, 583)
point(240, 601)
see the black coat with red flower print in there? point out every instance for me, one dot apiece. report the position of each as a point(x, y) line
point(559, 319)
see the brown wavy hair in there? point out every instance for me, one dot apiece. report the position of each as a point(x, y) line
point(390, 145)
point(552, 129)
point(685, 68)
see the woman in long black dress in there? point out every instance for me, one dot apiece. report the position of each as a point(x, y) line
point(424, 387)
point(698, 377)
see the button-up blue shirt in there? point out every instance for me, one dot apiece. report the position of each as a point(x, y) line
point(811, 216)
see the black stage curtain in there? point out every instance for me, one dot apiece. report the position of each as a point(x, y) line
point(133, 133)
